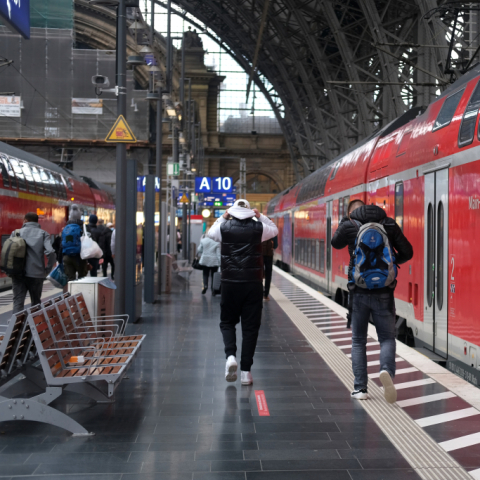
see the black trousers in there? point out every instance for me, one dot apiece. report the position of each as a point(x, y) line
point(207, 272)
point(108, 260)
point(267, 266)
point(94, 262)
point(241, 301)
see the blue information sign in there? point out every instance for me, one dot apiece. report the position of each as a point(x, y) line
point(203, 185)
point(16, 13)
point(222, 185)
point(141, 183)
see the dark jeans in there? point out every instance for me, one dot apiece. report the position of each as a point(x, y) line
point(241, 301)
point(207, 272)
point(267, 266)
point(108, 260)
point(382, 309)
point(94, 262)
point(21, 285)
point(74, 264)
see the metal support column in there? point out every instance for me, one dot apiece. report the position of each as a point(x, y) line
point(149, 240)
point(132, 277)
point(184, 231)
point(121, 175)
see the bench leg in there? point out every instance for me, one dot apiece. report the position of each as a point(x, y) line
point(89, 390)
point(36, 409)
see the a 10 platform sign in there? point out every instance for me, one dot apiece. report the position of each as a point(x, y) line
point(213, 185)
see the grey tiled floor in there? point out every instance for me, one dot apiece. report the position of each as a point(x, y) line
point(176, 418)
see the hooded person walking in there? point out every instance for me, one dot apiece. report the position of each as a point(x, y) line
point(241, 232)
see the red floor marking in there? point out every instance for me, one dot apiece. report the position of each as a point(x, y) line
point(262, 403)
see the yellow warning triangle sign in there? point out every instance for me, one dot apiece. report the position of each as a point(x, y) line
point(184, 199)
point(121, 132)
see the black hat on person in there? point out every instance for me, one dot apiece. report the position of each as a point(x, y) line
point(93, 219)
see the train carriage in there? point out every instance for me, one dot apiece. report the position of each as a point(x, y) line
point(31, 184)
point(424, 170)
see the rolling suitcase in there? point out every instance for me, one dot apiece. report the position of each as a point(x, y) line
point(217, 283)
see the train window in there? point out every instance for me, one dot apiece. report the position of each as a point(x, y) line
point(430, 254)
point(317, 255)
point(46, 182)
point(28, 177)
point(38, 180)
point(67, 182)
point(440, 235)
point(60, 186)
point(6, 178)
point(22, 184)
point(346, 201)
point(296, 250)
point(335, 170)
point(402, 148)
point(11, 174)
point(53, 184)
point(399, 204)
point(448, 110)
point(309, 253)
point(467, 128)
point(322, 256)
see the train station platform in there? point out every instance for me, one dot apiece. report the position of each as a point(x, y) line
point(176, 418)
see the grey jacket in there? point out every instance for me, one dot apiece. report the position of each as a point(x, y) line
point(39, 245)
point(210, 253)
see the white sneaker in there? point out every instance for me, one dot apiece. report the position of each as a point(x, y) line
point(231, 369)
point(389, 390)
point(360, 394)
point(247, 378)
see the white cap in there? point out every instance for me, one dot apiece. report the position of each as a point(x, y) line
point(241, 203)
point(109, 225)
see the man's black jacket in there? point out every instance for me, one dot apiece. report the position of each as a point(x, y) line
point(346, 234)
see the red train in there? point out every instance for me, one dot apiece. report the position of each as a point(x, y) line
point(31, 184)
point(424, 170)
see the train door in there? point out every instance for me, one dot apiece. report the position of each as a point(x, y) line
point(329, 246)
point(436, 259)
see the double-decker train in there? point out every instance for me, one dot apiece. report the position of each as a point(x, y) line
point(31, 184)
point(424, 170)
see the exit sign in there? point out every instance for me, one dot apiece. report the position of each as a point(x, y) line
point(173, 169)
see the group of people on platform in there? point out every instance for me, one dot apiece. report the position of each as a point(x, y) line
point(39, 245)
point(242, 242)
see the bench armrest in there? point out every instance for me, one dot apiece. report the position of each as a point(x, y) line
point(115, 317)
point(96, 331)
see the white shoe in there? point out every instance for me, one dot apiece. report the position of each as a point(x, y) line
point(247, 378)
point(361, 394)
point(231, 369)
point(389, 390)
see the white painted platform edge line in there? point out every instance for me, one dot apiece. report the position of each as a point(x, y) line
point(414, 383)
point(345, 347)
point(435, 397)
point(401, 371)
point(447, 417)
point(371, 352)
point(461, 442)
point(475, 474)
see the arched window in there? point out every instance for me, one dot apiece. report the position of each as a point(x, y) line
point(260, 183)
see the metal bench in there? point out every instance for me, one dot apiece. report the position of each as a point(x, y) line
point(50, 329)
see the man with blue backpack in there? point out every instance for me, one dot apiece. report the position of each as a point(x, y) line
point(377, 246)
point(71, 246)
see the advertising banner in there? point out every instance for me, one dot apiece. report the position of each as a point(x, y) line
point(10, 106)
point(87, 106)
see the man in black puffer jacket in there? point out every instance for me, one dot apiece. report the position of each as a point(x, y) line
point(241, 237)
point(378, 303)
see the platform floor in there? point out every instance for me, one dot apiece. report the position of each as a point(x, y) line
point(175, 417)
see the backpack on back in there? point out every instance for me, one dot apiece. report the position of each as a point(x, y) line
point(374, 263)
point(71, 243)
point(14, 254)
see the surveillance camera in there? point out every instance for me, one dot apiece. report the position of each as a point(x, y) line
point(101, 81)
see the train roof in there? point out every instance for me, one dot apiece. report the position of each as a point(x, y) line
point(99, 185)
point(29, 157)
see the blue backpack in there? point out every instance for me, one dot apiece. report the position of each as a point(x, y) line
point(374, 263)
point(71, 243)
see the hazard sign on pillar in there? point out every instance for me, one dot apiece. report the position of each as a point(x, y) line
point(121, 132)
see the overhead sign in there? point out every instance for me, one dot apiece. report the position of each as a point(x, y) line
point(184, 199)
point(173, 169)
point(141, 181)
point(120, 132)
point(203, 185)
point(222, 200)
point(16, 14)
point(10, 106)
point(222, 185)
point(87, 106)
point(213, 185)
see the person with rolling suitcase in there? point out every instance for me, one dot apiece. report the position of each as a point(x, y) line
point(241, 232)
